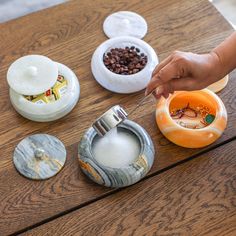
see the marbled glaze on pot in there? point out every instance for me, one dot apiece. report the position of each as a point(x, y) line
point(186, 137)
point(117, 177)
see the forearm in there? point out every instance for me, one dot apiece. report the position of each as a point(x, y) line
point(226, 52)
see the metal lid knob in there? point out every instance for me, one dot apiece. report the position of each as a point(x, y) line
point(109, 120)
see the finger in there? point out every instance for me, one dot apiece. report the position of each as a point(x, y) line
point(162, 64)
point(165, 95)
point(152, 85)
point(167, 73)
point(183, 84)
point(157, 96)
point(158, 92)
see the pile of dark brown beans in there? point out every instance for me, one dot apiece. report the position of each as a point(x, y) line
point(125, 61)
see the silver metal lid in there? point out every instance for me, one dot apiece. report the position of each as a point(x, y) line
point(109, 120)
point(39, 156)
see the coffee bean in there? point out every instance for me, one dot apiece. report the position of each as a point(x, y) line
point(143, 62)
point(131, 66)
point(135, 70)
point(125, 61)
point(117, 58)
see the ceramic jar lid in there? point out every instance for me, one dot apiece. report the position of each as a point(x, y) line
point(219, 85)
point(39, 156)
point(32, 74)
point(125, 23)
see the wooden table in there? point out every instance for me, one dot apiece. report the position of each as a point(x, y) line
point(187, 192)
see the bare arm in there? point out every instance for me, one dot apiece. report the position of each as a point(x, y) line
point(189, 71)
point(226, 52)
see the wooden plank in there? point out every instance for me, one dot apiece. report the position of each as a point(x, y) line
point(196, 198)
point(171, 24)
point(69, 34)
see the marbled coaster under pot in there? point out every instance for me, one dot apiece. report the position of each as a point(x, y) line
point(125, 23)
point(39, 156)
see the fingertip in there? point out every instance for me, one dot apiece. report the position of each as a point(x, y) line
point(157, 96)
point(148, 89)
point(165, 95)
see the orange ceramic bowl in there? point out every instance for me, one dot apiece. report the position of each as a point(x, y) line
point(187, 137)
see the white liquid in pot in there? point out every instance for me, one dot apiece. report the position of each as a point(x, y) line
point(116, 149)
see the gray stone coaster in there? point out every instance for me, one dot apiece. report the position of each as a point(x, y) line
point(125, 23)
point(39, 156)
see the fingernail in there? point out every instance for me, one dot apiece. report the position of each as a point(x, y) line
point(157, 97)
point(159, 90)
point(146, 92)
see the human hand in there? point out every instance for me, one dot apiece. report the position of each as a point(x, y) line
point(184, 71)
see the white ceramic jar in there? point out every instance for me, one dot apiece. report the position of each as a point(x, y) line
point(35, 74)
point(123, 83)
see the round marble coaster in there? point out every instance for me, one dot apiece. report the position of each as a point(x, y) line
point(39, 156)
point(125, 23)
point(219, 85)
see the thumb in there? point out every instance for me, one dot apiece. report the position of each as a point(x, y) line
point(182, 84)
point(170, 71)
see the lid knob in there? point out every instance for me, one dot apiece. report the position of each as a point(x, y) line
point(43, 70)
point(125, 21)
point(32, 71)
point(39, 153)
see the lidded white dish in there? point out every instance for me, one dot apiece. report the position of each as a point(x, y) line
point(132, 28)
point(33, 76)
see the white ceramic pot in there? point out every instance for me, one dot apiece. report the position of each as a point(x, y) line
point(123, 83)
point(49, 111)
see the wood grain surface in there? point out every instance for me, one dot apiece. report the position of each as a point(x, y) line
point(69, 34)
point(196, 198)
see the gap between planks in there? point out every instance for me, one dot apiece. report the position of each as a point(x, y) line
point(113, 191)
